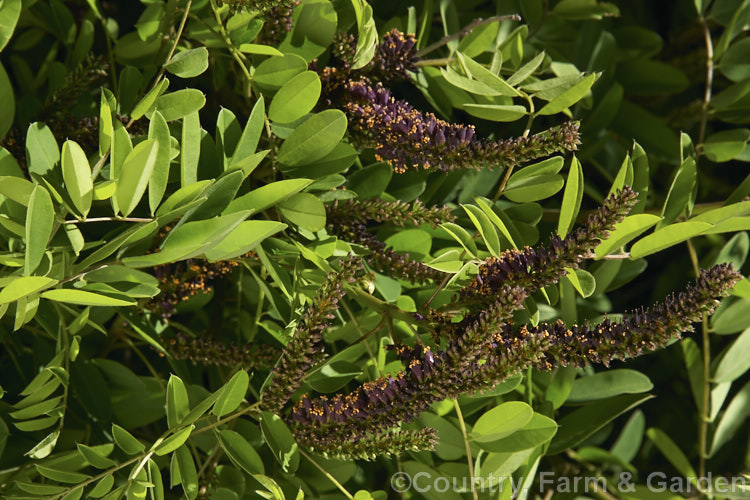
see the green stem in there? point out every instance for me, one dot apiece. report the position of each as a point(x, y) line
point(236, 54)
point(327, 474)
point(704, 416)
point(467, 445)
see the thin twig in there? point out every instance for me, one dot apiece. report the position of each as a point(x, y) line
point(709, 79)
point(469, 458)
point(465, 31)
point(327, 474)
point(704, 410)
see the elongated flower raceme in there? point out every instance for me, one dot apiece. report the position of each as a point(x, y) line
point(405, 138)
point(428, 376)
point(395, 57)
point(547, 346)
point(391, 442)
point(209, 351)
point(463, 367)
point(305, 347)
point(397, 213)
point(181, 280)
point(533, 269)
point(348, 220)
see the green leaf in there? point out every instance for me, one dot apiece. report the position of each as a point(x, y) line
point(583, 422)
point(735, 361)
point(83, 298)
point(462, 236)
point(177, 401)
point(190, 240)
point(40, 220)
point(584, 9)
point(679, 193)
point(367, 34)
point(41, 489)
point(537, 431)
point(248, 142)
point(77, 175)
point(240, 452)
point(274, 72)
point(532, 188)
point(280, 440)
point(694, 366)
point(93, 457)
point(485, 228)
point(190, 149)
point(314, 139)
point(183, 460)
point(487, 77)
point(371, 181)
point(134, 177)
point(267, 196)
point(180, 104)
point(148, 101)
point(501, 421)
point(61, 476)
point(17, 189)
point(201, 408)
point(472, 86)
point(495, 112)
point(624, 176)
point(113, 272)
point(174, 441)
point(734, 417)
point(572, 197)
point(734, 63)
point(486, 207)
point(42, 152)
point(304, 210)
point(607, 384)
point(23, 286)
point(244, 238)
point(667, 237)
point(726, 145)
point(232, 394)
point(627, 230)
point(125, 441)
point(102, 487)
point(526, 70)
point(157, 183)
point(647, 76)
point(188, 63)
point(731, 318)
point(629, 441)
point(36, 424)
point(313, 29)
point(569, 97)
point(8, 112)
point(10, 11)
point(582, 280)
point(673, 453)
point(296, 98)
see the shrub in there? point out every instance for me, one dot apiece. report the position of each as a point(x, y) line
point(288, 249)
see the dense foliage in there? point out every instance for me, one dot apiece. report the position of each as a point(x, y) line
point(287, 249)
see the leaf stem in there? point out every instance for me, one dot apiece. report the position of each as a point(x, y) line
point(327, 474)
point(704, 417)
point(709, 79)
point(469, 458)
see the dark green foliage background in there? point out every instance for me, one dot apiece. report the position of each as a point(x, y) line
point(659, 113)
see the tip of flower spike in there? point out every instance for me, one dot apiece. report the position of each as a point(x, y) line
point(722, 276)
